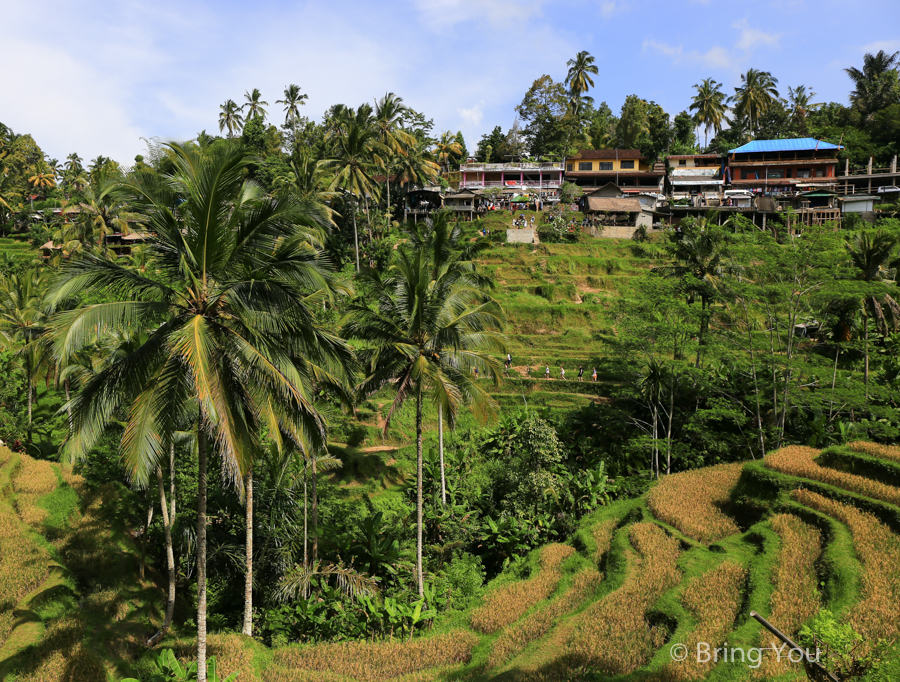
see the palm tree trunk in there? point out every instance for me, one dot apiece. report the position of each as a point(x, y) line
point(441, 453)
point(355, 236)
point(305, 532)
point(420, 583)
point(170, 560)
point(201, 552)
point(837, 351)
point(315, 513)
point(669, 429)
point(702, 329)
point(143, 564)
point(248, 575)
point(68, 408)
point(28, 389)
point(866, 376)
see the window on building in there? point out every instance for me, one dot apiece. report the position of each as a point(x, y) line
point(803, 173)
point(585, 165)
point(775, 173)
point(626, 164)
point(605, 165)
point(682, 162)
point(569, 166)
point(820, 172)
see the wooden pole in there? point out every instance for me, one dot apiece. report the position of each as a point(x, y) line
point(814, 664)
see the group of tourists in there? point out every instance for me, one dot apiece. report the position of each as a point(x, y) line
point(522, 221)
point(507, 365)
point(562, 373)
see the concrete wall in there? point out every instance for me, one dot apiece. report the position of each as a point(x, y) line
point(521, 236)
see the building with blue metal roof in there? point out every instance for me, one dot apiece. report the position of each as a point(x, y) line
point(800, 144)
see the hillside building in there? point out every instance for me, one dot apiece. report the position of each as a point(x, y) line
point(627, 168)
point(698, 178)
point(538, 179)
point(783, 166)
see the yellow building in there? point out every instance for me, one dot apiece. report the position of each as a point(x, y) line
point(627, 168)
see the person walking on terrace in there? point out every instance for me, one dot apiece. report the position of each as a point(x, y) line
point(562, 373)
point(594, 375)
point(581, 374)
point(547, 373)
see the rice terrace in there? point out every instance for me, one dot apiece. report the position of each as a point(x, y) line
point(459, 341)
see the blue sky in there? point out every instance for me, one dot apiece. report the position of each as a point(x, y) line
point(96, 76)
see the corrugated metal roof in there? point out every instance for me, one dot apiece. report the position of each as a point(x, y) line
point(800, 144)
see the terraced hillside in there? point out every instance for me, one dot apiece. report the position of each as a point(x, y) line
point(799, 531)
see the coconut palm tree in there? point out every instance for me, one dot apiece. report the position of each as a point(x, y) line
point(754, 96)
point(446, 149)
point(876, 260)
point(418, 166)
point(426, 335)
point(799, 99)
point(710, 105)
point(254, 104)
point(699, 258)
point(23, 322)
point(292, 101)
point(579, 78)
point(230, 117)
point(388, 118)
point(876, 85)
point(230, 327)
point(102, 213)
point(42, 176)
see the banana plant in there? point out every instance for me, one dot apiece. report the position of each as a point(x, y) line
point(170, 670)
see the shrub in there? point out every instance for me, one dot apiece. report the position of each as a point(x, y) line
point(708, 488)
point(798, 460)
point(508, 603)
point(878, 549)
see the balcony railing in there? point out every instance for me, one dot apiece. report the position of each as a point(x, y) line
point(512, 184)
point(547, 165)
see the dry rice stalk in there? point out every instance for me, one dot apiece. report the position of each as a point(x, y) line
point(508, 603)
point(890, 452)
point(34, 476)
point(5, 455)
point(798, 460)
point(603, 534)
point(690, 501)
point(372, 662)
point(715, 600)
point(515, 638)
point(875, 615)
point(612, 636)
point(796, 596)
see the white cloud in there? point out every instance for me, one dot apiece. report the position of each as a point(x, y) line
point(751, 37)
point(714, 57)
point(473, 115)
point(439, 14)
point(607, 8)
point(889, 46)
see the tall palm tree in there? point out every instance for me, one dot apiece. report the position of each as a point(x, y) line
point(754, 96)
point(230, 327)
point(101, 214)
point(23, 322)
point(42, 176)
point(388, 118)
point(801, 104)
point(876, 259)
point(254, 104)
point(230, 118)
point(710, 105)
point(579, 78)
point(417, 166)
point(700, 260)
point(446, 149)
point(292, 101)
point(876, 85)
point(357, 156)
point(426, 335)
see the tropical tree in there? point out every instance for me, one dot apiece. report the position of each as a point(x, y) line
point(875, 258)
point(427, 335)
point(754, 96)
point(230, 327)
point(710, 106)
point(799, 99)
point(579, 79)
point(877, 85)
point(446, 149)
point(101, 214)
point(254, 104)
point(389, 112)
point(357, 156)
point(230, 117)
point(23, 322)
point(292, 101)
point(42, 176)
point(699, 257)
